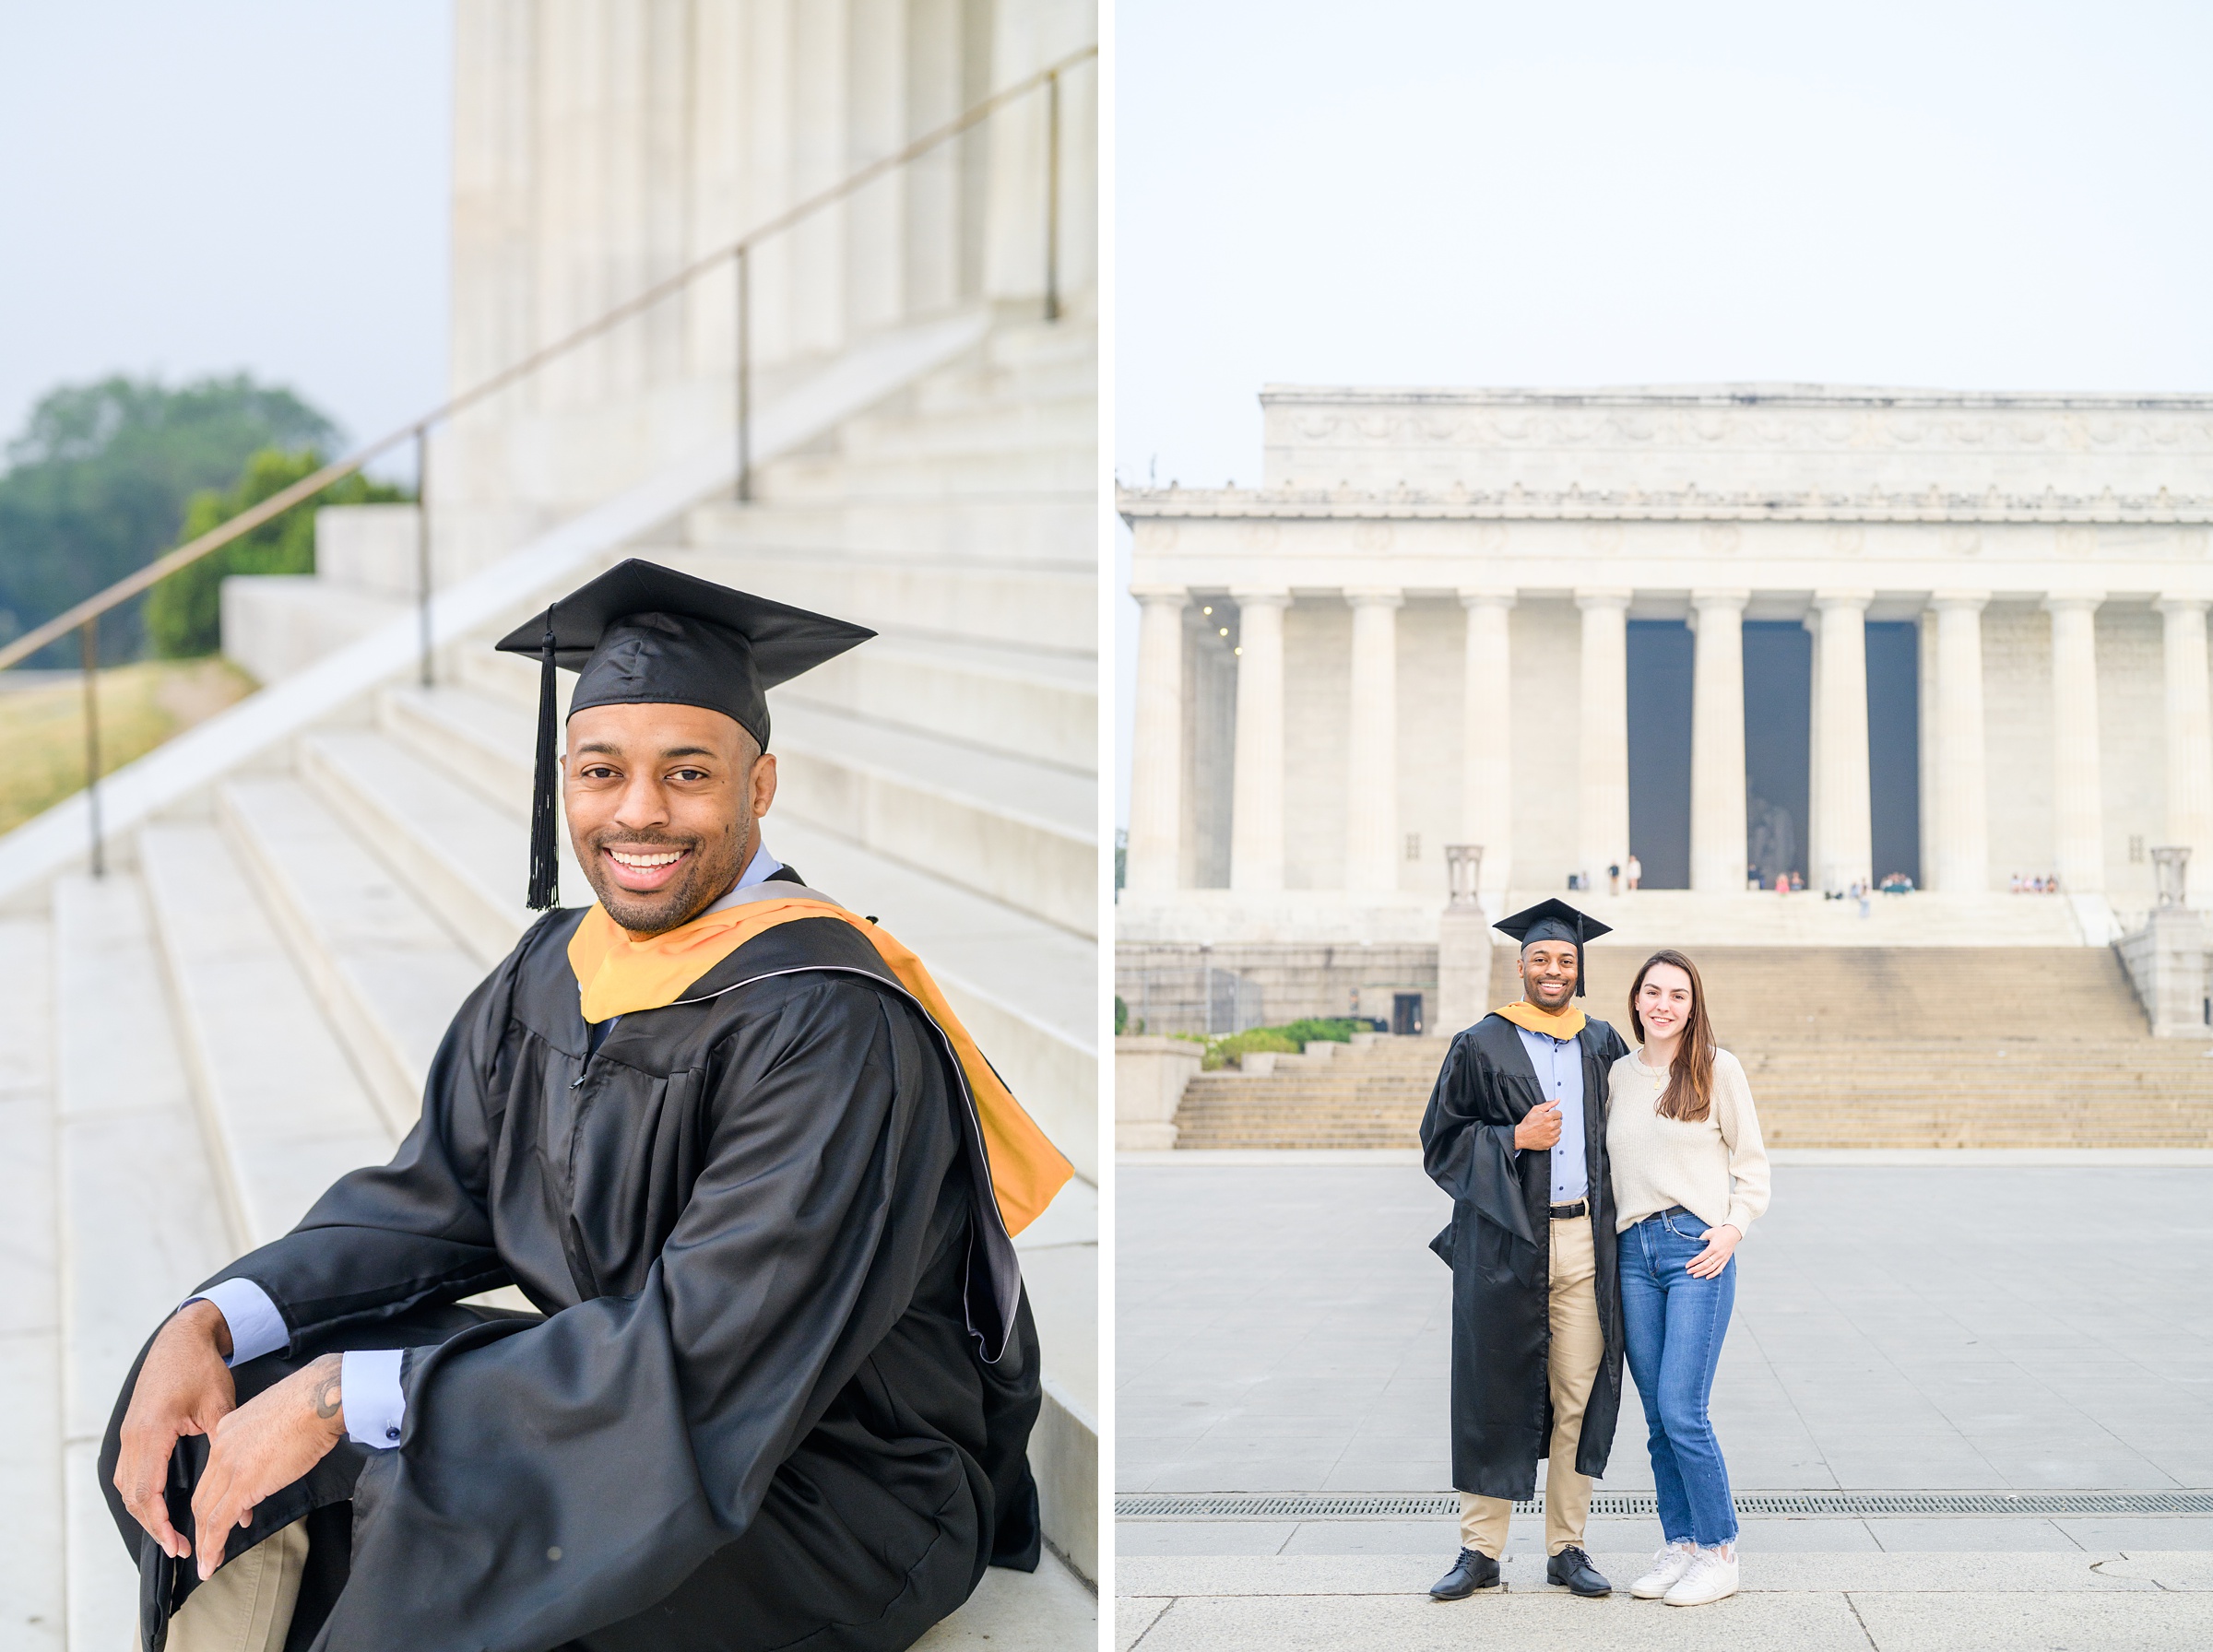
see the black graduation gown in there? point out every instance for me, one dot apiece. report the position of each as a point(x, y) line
point(785, 1375)
point(1499, 1249)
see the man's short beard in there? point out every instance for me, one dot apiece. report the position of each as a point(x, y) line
point(706, 880)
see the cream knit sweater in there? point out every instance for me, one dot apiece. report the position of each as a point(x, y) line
point(1716, 1168)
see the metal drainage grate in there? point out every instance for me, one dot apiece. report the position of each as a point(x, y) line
point(1262, 1505)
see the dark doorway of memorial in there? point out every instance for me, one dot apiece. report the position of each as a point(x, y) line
point(1406, 1014)
point(1660, 656)
point(1779, 705)
point(1894, 747)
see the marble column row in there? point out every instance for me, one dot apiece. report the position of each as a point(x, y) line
point(1839, 837)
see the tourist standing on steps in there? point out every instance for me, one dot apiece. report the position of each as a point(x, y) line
point(1689, 1176)
point(1516, 1133)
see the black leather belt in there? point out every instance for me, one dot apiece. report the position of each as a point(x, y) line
point(1569, 1213)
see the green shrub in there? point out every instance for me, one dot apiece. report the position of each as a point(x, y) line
point(1122, 1016)
point(1337, 1030)
point(1289, 1039)
point(183, 613)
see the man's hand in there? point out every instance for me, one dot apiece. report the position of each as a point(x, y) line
point(1540, 1126)
point(182, 1388)
point(1720, 1243)
point(263, 1447)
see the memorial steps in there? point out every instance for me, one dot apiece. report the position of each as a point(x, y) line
point(1906, 1047)
point(246, 1005)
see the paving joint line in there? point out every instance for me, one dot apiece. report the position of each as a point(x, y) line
point(1814, 1504)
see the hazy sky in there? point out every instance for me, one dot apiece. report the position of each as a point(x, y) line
point(226, 184)
point(1402, 193)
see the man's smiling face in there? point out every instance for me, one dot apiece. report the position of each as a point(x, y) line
point(1548, 971)
point(663, 803)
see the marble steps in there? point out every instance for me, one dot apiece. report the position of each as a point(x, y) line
point(1015, 361)
point(1041, 707)
point(1038, 706)
point(1040, 531)
point(33, 1612)
point(1044, 608)
point(1021, 474)
point(387, 973)
point(1007, 829)
point(282, 1109)
point(1653, 918)
point(2159, 1101)
point(465, 856)
point(140, 1217)
point(994, 383)
point(1770, 995)
point(989, 425)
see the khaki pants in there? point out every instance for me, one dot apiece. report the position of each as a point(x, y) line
point(1578, 1344)
point(247, 1605)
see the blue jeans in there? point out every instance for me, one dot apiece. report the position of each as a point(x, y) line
point(1676, 1324)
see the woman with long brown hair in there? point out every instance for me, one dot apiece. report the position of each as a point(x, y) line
point(1689, 1176)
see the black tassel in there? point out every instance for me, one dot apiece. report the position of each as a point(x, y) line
point(545, 853)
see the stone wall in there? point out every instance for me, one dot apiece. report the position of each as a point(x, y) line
point(1297, 980)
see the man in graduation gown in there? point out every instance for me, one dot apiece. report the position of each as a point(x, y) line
point(1515, 1132)
point(758, 1182)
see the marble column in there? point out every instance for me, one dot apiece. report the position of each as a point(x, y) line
point(1486, 797)
point(1157, 750)
point(1843, 827)
point(1371, 821)
point(1256, 814)
point(1962, 799)
point(1718, 849)
point(2189, 740)
point(2077, 788)
point(1602, 743)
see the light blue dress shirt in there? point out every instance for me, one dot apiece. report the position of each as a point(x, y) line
point(369, 1377)
point(1559, 1065)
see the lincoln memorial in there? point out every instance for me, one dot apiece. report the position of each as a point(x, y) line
point(1837, 636)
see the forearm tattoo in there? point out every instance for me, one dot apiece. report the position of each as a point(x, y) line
point(327, 1392)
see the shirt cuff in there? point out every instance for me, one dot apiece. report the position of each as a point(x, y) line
point(256, 1327)
point(369, 1389)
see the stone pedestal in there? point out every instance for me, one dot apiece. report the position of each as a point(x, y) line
point(1463, 968)
point(2166, 960)
point(1149, 1077)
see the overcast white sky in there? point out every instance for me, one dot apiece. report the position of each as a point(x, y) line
point(227, 185)
point(1415, 193)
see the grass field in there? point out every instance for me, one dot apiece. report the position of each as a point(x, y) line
point(42, 728)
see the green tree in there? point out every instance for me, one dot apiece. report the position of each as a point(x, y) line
point(97, 484)
point(183, 613)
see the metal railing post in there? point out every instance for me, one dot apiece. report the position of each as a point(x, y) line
point(89, 650)
point(422, 543)
point(745, 376)
point(1052, 196)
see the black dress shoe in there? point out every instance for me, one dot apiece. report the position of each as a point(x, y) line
point(1471, 1572)
point(1573, 1568)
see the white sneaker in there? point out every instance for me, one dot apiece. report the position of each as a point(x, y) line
point(1710, 1577)
point(1668, 1566)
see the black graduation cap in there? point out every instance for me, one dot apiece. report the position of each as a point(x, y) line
point(1554, 919)
point(641, 634)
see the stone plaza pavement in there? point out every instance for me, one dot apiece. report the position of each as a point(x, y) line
point(1946, 1323)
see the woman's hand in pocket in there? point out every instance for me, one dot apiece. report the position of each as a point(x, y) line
point(1720, 1245)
